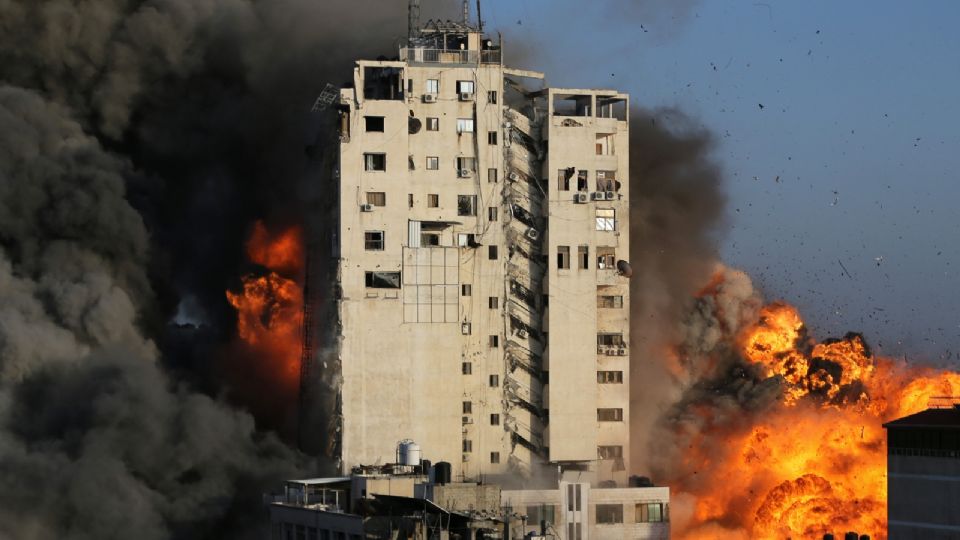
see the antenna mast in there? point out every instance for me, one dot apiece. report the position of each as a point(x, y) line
point(466, 12)
point(479, 19)
point(413, 19)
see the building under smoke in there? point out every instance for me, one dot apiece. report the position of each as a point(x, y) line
point(482, 305)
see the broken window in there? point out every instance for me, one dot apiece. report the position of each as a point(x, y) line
point(433, 200)
point(610, 452)
point(609, 415)
point(606, 258)
point(609, 302)
point(464, 125)
point(492, 213)
point(604, 144)
point(610, 377)
point(493, 302)
point(466, 164)
point(433, 163)
point(466, 240)
point(373, 123)
point(610, 340)
point(606, 219)
point(492, 176)
point(494, 381)
point(492, 252)
point(432, 86)
point(373, 240)
point(382, 83)
point(491, 137)
point(375, 162)
point(465, 87)
point(563, 178)
point(583, 257)
point(466, 205)
point(612, 107)
point(492, 97)
point(609, 513)
point(377, 198)
point(429, 239)
point(582, 181)
point(607, 181)
point(495, 456)
point(383, 280)
point(563, 257)
point(433, 124)
point(541, 512)
point(572, 104)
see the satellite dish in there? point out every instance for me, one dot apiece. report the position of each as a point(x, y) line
point(624, 268)
point(414, 125)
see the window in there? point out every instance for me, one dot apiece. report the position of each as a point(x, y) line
point(382, 280)
point(466, 368)
point(465, 87)
point(377, 198)
point(606, 219)
point(466, 164)
point(494, 457)
point(467, 446)
point(606, 258)
point(583, 257)
point(464, 125)
point(373, 123)
point(466, 289)
point(563, 179)
point(433, 86)
point(492, 253)
point(466, 205)
point(609, 513)
point(466, 240)
point(610, 415)
point(429, 239)
point(563, 257)
point(610, 340)
point(541, 512)
point(373, 240)
point(494, 342)
point(582, 181)
point(651, 512)
point(433, 163)
point(491, 137)
point(607, 181)
point(610, 452)
point(467, 407)
point(410, 200)
point(604, 144)
point(610, 377)
point(492, 213)
point(610, 301)
point(433, 200)
point(494, 381)
point(433, 124)
point(492, 96)
point(492, 176)
point(375, 162)
point(494, 419)
point(410, 87)
point(493, 302)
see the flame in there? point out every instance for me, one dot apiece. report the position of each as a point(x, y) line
point(815, 461)
point(270, 307)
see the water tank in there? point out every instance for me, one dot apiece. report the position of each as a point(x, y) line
point(851, 536)
point(828, 536)
point(408, 453)
point(864, 537)
point(640, 481)
point(442, 471)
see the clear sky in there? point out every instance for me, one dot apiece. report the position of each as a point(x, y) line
point(852, 159)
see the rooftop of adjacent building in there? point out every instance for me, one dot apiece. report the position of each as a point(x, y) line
point(943, 413)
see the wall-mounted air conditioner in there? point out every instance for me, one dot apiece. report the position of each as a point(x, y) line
point(622, 351)
point(463, 173)
point(601, 350)
point(611, 195)
point(597, 196)
point(466, 96)
point(467, 420)
point(580, 198)
point(611, 352)
point(366, 207)
point(429, 98)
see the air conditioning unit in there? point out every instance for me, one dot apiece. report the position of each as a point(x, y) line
point(466, 457)
point(533, 234)
point(580, 198)
point(611, 195)
point(466, 96)
point(429, 98)
point(366, 207)
point(597, 196)
point(522, 333)
point(611, 352)
point(622, 351)
point(513, 176)
point(467, 420)
point(463, 173)
point(601, 350)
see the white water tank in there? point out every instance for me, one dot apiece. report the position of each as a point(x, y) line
point(408, 453)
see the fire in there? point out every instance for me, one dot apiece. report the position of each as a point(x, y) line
point(270, 306)
point(813, 461)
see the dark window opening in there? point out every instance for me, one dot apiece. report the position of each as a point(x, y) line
point(373, 123)
point(383, 280)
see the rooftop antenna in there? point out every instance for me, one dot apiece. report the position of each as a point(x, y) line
point(479, 20)
point(413, 21)
point(466, 12)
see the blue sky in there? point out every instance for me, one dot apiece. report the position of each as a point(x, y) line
point(861, 104)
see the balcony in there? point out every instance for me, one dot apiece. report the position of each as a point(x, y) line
point(421, 55)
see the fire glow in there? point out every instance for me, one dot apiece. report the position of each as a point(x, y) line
point(815, 461)
point(270, 306)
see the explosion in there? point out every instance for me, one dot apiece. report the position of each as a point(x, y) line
point(270, 306)
point(784, 439)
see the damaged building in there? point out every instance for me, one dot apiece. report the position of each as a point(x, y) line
point(482, 278)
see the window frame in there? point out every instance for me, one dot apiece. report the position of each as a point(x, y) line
point(471, 205)
point(606, 219)
point(377, 198)
point(431, 86)
point(433, 123)
point(563, 257)
point(434, 161)
point(370, 163)
point(366, 124)
point(465, 125)
point(368, 241)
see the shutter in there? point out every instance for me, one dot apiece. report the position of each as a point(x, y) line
point(413, 239)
